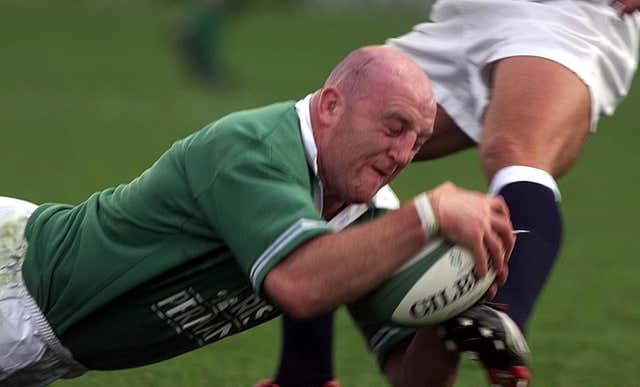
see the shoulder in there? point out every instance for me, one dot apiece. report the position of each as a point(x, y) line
point(265, 138)
point(247, 130)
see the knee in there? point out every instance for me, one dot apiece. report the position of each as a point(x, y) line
point(502, 150)
point(552, 151)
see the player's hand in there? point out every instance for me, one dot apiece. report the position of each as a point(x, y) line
point(625, 7)
point(477, 221)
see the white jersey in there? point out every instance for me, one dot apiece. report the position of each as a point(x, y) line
point(465, 36)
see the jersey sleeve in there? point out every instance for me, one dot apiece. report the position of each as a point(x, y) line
point(262, 212)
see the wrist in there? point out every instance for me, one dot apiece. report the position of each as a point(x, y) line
point(426, 215)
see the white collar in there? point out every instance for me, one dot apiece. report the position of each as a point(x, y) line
point(306, 130)
point(310, 148)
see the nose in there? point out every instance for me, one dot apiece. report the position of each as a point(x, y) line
point(402, 149)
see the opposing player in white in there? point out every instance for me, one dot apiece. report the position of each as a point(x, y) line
point(525, 81)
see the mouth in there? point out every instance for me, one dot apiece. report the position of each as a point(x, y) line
point(385, 173)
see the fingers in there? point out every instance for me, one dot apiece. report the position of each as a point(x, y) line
point(501, 223)
point(495, 250)
point(503, 228)
point(481, 258)
point(479, 222)
point(499, 238)
point(499, 206)
point(501, 276)
point(491, 292)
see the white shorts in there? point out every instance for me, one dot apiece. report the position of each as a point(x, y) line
point(30, 353)
point(465, 36)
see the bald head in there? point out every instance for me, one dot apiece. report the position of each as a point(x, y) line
point(373, 69)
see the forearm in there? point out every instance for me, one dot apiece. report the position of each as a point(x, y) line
point(335, 269)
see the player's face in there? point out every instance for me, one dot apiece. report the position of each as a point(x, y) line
point(376, 138)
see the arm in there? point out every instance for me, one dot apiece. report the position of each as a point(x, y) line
point(338, 268)
point(334, 269)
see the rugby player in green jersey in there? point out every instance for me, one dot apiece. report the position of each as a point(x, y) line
point(229, 228)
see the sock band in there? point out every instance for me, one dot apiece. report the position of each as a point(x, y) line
point(426, 215)
point(517, 173)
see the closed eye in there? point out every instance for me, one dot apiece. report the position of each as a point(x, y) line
point(395, 130)
point(396, 124)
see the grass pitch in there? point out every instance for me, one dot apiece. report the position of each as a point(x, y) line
point(91, 94)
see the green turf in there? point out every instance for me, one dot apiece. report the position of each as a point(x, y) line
point(91, 94)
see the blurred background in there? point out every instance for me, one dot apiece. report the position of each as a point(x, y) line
point(92, 92)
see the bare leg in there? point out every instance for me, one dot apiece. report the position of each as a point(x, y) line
point(422, 361)
point(538, 116)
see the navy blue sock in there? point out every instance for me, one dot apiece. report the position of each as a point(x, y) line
point(532, 207)
point(306, 359)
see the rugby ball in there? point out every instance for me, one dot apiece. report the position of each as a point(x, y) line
point(435, 285)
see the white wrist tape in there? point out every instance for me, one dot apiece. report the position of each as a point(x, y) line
point(426, 215)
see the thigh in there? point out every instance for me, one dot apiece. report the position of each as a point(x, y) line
point(538, 115)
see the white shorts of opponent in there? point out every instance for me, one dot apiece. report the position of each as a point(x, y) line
point(30, 353)
point(466, 36)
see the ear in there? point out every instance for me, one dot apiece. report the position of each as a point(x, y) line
point(331, 106)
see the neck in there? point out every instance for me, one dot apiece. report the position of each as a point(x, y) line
point(332, 203)
point(332, 207)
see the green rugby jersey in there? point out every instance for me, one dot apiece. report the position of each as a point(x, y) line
point(176, 258)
